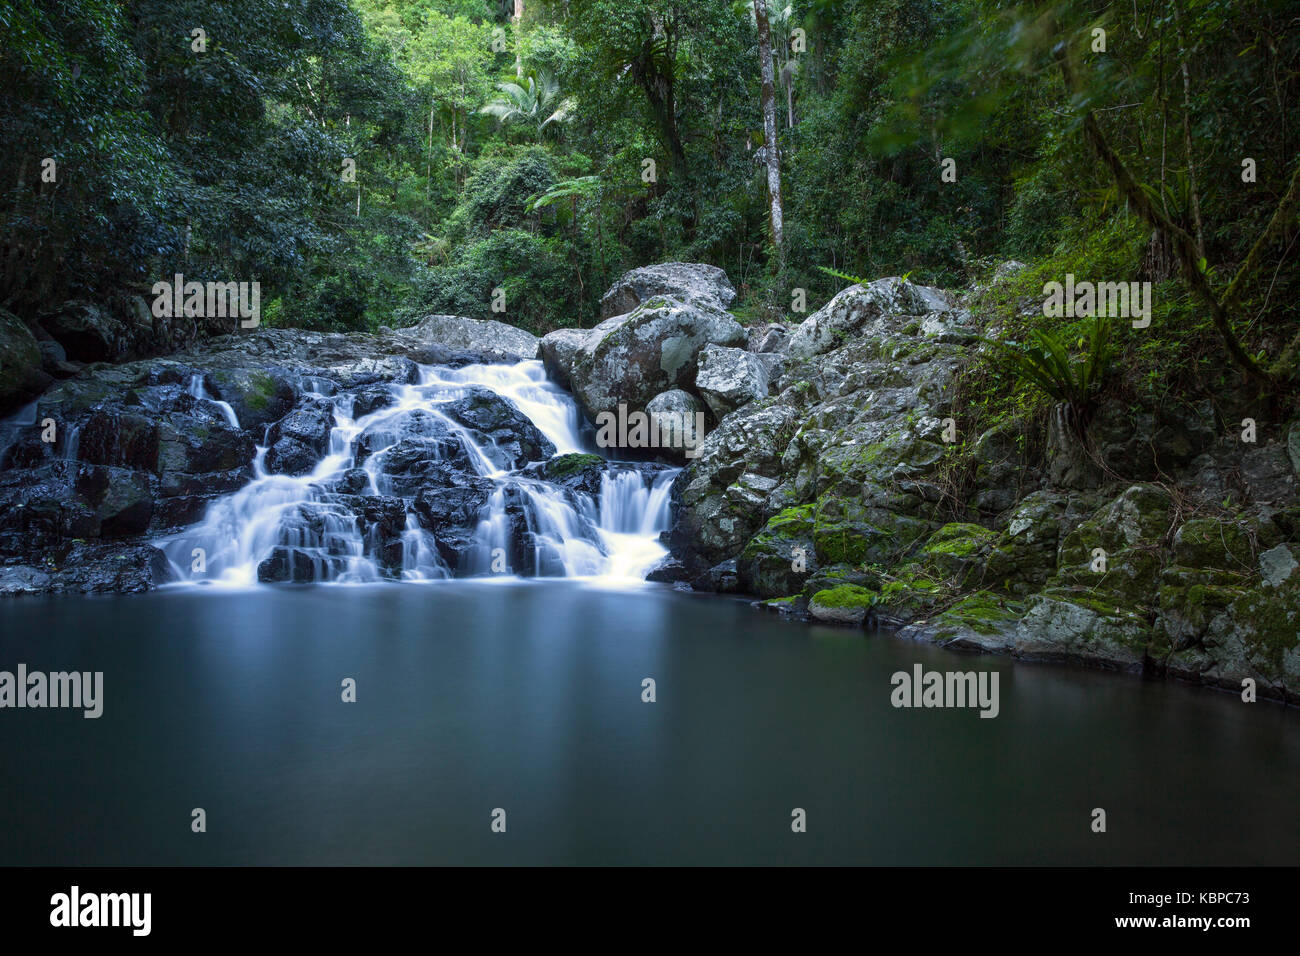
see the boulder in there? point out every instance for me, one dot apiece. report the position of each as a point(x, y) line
point(559, 350)
point(729, 378)
point(629, 359)
point(88, 332)
point(851, 311)
point(257, 396)
point(768, 338)
point(846, 605)
point(689, 282)
point(20, 363)
point(676, 414)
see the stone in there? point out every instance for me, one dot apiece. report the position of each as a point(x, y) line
point(688, 282)
point(729, 378)
point(1277, 565)
point(629, 359)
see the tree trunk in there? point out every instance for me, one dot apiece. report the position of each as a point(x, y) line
point(518, 18)
point(769, 131)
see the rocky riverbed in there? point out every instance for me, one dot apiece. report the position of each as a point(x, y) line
point(836, 480)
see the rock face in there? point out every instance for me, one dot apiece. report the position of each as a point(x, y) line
point(851, 494)
point(693, 283)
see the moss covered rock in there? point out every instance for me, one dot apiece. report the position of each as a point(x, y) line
point(958, 551)
point(1213, 543)
point(1118, 552)
point(779, 559)
point(1077, 628)
point(984, 621)
point(847, 604)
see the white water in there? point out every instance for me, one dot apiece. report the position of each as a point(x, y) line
point(612, 539)
point(198, 391)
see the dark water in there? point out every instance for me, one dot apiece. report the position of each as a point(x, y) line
point(527, 697)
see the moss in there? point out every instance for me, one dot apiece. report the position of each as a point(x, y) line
point(959, 539)
point(845, 596)
point(910, 581)
point(564, 466)
point(984, 612)
point(261, 389)
point(790, 522)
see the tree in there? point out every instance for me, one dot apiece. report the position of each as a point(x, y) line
point(768, 96)
point(538, 103)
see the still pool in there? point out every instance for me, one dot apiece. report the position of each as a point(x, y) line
point(527, 697)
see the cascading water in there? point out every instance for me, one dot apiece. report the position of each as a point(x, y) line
point(198, 390)
point(330, 523)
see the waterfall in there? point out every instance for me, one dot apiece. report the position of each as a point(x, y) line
point(337, 523)
point(198, 390)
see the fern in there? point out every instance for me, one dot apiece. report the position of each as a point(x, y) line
point(1045, 364)
point(856, 280)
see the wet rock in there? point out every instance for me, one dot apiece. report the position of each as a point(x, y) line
point(576, 472)
point(23, 579)
point(117, 568)
point(354, 481)
point(88, 332)
point(300, 439)
point(370, 399)
point(289, 565)
point(507, 436)
point(722, 578)
point(258, 396)
point(122, 500)
point(669, 571)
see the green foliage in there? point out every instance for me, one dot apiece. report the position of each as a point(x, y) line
point(535, 104)
point(1046, 364)
point(836, 274)
point(540, 292)
point(518, 164)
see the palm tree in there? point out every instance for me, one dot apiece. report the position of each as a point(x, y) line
point(537, 103)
